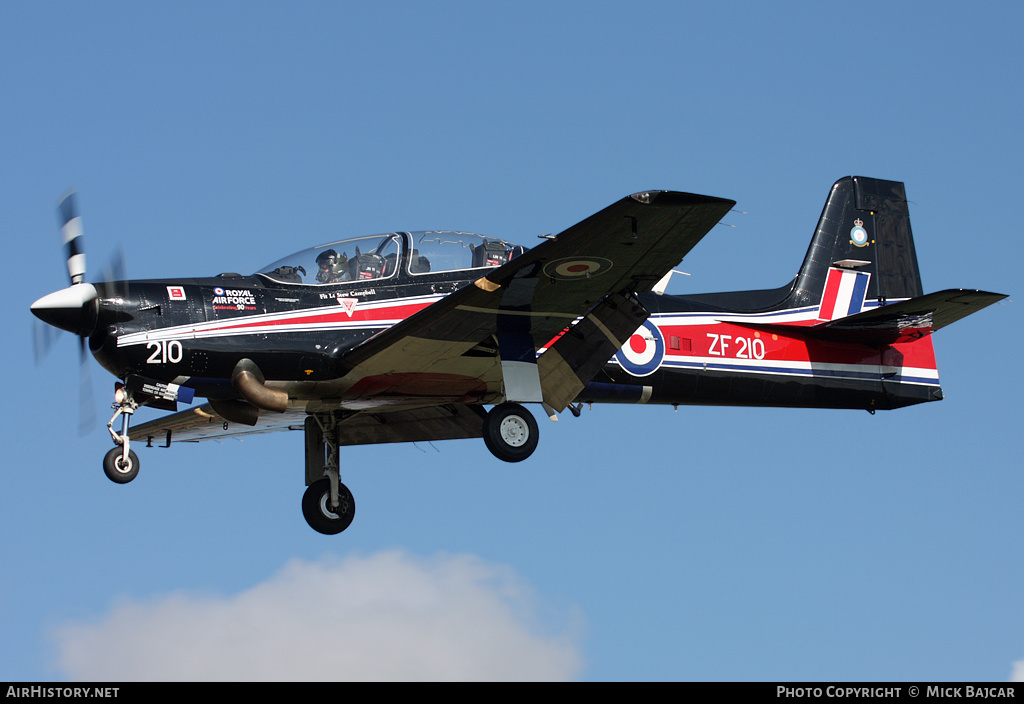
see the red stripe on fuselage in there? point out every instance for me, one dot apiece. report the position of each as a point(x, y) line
point(728, 341)
point(339, 315)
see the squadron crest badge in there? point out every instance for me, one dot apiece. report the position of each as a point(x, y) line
point(858, 235)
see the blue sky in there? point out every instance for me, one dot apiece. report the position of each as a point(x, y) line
point(637, 543)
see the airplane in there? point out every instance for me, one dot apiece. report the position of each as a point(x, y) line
point(407, 336)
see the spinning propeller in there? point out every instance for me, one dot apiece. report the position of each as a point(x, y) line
point(76, 308)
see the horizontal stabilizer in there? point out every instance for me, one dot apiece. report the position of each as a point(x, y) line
point(906, 320)
point(896, 322)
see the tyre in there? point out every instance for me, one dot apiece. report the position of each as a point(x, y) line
point(316, 508)
point(117, 470)
point(510, 432)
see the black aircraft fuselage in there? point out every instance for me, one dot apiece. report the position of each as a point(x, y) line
point(405, 336)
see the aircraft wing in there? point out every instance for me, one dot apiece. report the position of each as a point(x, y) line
point(424, 378)
point(590, 271)
point(441, 422)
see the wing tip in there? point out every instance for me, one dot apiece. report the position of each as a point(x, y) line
point(678, 198)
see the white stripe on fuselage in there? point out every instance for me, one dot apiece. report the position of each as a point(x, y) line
point(922, 375)
point(267, 323)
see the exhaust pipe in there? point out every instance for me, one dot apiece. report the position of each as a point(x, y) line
point(248, 380)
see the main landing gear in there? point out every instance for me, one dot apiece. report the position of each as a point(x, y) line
point(121, 464)
point(320, 511)
point(327, 505)
point(510, 432)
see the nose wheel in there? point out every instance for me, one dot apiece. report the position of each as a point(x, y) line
point(120, 468)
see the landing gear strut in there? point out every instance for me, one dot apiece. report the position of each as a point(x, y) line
point(327, 505)
point(121, 464)
point(510, 432)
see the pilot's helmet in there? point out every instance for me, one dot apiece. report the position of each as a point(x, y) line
point(330, 266)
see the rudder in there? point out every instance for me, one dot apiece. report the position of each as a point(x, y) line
point(864, 228)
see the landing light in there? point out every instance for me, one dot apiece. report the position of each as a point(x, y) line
point(120, 395)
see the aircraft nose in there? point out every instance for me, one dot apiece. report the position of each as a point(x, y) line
point(73, 309)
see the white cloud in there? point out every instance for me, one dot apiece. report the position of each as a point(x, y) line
point(1017, 675)
point(389, 616)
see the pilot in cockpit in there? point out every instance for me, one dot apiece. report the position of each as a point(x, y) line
point(333, 267)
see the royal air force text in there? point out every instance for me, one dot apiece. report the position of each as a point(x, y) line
point(234, 299)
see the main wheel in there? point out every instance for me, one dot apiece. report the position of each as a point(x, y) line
point(317, 510)
point(117, 470)
point(510, 432)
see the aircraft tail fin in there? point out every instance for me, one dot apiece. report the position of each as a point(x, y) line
point(863, 249)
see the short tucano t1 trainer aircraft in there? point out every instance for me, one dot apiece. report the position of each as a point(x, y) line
point(408, 336)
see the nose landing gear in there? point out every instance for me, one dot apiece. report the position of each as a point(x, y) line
point(121, 464)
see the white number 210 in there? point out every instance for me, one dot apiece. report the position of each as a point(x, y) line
point(164, 351)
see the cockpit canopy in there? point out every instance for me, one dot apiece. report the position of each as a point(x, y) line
point(384, 256)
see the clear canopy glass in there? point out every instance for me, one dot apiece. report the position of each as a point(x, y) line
point(378, 257)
